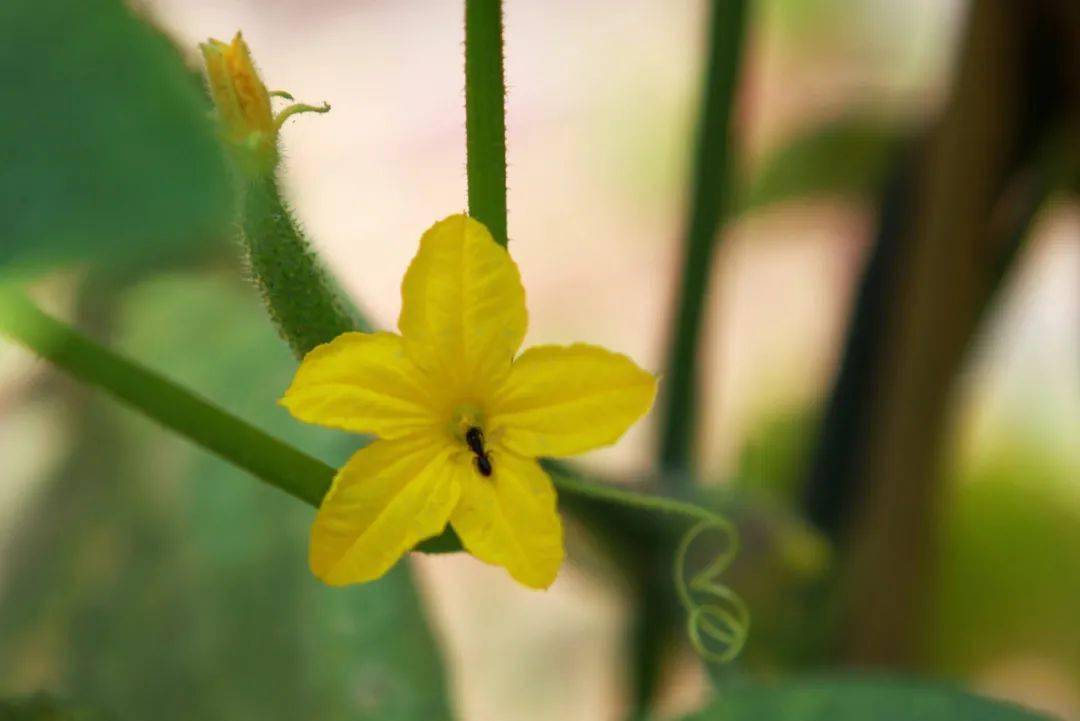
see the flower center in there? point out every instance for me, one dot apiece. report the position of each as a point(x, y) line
point(462, 418)
point(467, 425)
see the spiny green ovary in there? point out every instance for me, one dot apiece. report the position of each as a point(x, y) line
point(297, 291)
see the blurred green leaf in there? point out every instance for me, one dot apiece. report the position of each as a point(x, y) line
point(856, 699)
point(848, 156)
point(42, 707)
point(157, 581)
point(773, 457)
point(1009, 575)
point(107, 151)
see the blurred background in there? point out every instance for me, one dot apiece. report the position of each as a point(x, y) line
point(142, 575)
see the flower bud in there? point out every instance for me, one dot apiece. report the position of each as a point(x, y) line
point(248, 122)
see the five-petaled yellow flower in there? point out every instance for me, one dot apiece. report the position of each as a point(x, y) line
point(460, 421)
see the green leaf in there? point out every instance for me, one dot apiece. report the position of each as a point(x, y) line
point(185, 587)
point(845, 157)
point(107, 151)
point(1009, 573)
point(42, 707)
point(856, 699)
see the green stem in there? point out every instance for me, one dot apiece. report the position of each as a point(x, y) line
point(485, 115)
point(172, 406)
point(301, 298)
point(571, 484)
point(710, 192)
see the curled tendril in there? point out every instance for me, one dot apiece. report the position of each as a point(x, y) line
point(718, 621)
point(717, 627)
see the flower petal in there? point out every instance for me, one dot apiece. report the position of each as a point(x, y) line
point(509, 519)
point(463, 307)
point(364, 383)
point(562, 400)
point(389, 496)
point(251, 94)
point(219, 80)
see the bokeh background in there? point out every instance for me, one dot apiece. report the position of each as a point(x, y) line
point(141, 574)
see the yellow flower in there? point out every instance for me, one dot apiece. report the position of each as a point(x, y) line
point(460, 421)
point(243, 102)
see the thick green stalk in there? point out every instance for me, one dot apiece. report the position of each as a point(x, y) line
point(300, 296)
point(172, 406)
point(485, 115)
point(710, 193)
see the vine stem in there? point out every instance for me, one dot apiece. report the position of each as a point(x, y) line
point(574, 485)
point(485, 115)
point(174, 407)
point(709, 195)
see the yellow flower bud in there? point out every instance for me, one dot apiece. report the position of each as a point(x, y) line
point(243, 102)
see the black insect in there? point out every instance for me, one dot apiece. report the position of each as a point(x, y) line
point(475, 438)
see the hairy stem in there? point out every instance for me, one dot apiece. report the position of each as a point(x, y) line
point(709, 195)
point(485, 115)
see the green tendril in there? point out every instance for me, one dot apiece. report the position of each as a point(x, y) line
point(718, 626)
point(718, 620)
point(295, 108)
